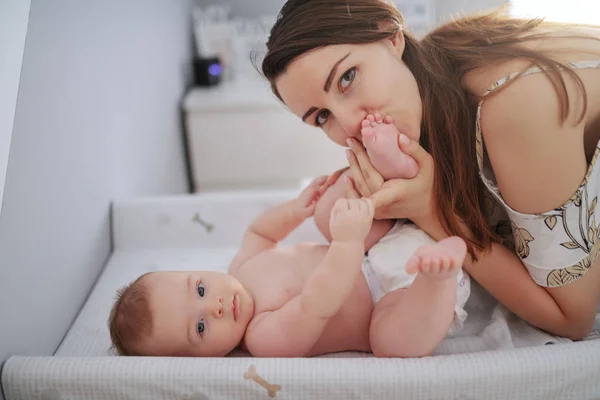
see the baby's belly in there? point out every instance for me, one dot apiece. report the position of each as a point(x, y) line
point(348, 330)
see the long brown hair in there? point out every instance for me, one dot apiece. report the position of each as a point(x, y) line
point(439, 63)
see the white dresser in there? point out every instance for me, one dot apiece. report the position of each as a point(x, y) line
point(241, 137)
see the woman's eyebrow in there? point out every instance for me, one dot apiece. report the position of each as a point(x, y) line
point(327, 85)
point(312, 110)
point(332, 73)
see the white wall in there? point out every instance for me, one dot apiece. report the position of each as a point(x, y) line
point(97, 119)
point(14, 15)
point(248, 8)
point(444, 8)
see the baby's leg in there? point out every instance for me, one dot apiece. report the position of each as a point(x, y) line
point(379, 228)
point(380, 138)
point(412, 322)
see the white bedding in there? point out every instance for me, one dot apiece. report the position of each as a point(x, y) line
point(502, 356)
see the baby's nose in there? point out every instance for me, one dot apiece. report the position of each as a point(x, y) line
point(218, 309)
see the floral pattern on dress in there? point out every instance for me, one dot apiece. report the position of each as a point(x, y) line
point(575, 220)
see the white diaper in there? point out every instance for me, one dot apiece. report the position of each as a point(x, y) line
point(384, 266)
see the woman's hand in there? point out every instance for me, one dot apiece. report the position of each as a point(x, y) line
point(396, 198)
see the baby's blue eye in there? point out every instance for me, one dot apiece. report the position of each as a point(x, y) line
point(201, 289)
point(201, 327)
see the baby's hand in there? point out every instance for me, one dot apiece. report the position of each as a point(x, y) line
point(306, 201)
point(351, 219)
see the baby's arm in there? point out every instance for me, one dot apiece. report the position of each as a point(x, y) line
point(292, 330)
point(277, 223)
point(325, 204)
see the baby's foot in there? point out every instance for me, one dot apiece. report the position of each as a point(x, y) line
point(380, 138)
point(441, 260)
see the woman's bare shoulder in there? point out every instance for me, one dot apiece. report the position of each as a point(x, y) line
point(538, 160)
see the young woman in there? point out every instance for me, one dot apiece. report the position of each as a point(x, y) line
point(502, 117)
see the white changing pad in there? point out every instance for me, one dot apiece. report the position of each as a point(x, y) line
point(197, 232)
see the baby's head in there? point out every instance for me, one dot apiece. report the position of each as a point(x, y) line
point(181, 313)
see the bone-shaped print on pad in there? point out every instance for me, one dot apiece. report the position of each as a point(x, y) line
point(196, 219)
point(271, 389)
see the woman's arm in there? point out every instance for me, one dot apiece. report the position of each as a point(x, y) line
point(539, 162)
point(567, 311)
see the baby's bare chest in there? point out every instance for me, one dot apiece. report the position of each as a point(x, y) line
point(276, 277)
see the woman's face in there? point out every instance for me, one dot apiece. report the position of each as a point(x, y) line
point(336, 87)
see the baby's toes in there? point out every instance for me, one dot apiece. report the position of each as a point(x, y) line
point(454, 263)
point(445, 264)
point(436, 266)
point(371, 118)
point(412, 265)
point(388, 119)
point(455, 266)
point(378, 118)
point(426, 264)
point(368, 135)
point(366, 123)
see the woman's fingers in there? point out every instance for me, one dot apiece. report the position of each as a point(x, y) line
point(360, 184)
point(413, 149)
point(390, 193)
point(370, 179)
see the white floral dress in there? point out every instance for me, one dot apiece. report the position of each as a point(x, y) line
point(557, 247)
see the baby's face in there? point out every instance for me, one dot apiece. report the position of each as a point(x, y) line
point(196, 313)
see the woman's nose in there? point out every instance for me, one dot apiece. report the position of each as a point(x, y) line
point(350, 120)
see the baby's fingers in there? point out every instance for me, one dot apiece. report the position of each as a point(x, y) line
point(349, 190)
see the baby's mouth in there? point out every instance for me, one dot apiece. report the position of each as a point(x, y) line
point(235, 307)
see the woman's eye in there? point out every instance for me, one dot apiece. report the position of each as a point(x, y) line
point(347, 78)
point(201, 290)
point(201, 327)
point(322, 118)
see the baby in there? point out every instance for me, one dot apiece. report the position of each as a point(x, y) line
point(396, 251)
point(304, 300)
